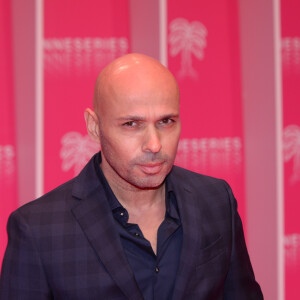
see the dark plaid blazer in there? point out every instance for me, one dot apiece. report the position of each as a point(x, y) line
point(65, 245)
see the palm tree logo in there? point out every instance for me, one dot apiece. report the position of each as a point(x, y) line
point(292, 249)
point(187, 38)
point(291, 149)
point(7, 161)
point(76, 151)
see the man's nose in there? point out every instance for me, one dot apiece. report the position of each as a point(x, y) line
point(152, 140)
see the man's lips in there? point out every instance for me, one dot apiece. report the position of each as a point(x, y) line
point(151, 168)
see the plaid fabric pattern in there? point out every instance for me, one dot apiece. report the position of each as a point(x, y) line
point(65, 246)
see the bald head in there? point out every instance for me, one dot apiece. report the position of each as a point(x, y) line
point(131, 74)
point(136, 122)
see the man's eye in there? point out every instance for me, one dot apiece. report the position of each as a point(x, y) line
point(130, 124)
point(166, 121)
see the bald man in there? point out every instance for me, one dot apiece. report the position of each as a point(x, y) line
point(131, 225)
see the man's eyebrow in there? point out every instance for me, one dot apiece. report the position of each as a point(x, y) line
point(169, 116)
point(140, 118)
point(131, 117)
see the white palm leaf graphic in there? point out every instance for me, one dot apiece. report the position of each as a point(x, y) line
point(291, 149)
point(187, 38)
point(76, 151)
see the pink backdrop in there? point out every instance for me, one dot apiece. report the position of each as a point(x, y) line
point(291, 135)
point(8, 176)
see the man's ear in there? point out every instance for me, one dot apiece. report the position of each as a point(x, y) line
point(92, 124)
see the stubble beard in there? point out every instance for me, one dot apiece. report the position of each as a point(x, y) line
point(130, 175)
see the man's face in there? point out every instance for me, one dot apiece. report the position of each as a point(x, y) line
point(139, 131)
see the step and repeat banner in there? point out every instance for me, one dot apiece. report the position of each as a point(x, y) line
point(291, 140)
point(8, 175)
point(203, 54)
point(81, 37)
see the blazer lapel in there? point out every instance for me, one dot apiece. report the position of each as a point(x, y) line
point(198, 226)
point(95, 218)
point(190, 223)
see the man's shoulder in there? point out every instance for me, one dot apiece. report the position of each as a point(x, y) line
point(56, 199)
point(67, 194)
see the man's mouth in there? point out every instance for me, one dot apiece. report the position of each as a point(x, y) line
point(151, 168)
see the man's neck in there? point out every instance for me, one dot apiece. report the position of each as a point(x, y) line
point(130, 195)
point(133, 198)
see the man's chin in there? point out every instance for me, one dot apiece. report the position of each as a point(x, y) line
point(150, 182)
